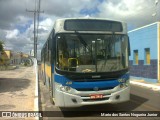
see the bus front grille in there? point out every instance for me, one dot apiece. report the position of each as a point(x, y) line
point(94, 100)
point(92, 89)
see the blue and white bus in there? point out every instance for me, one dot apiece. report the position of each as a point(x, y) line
point(85, 62)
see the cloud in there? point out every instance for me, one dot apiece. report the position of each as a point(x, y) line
point(16, 25)
point(16, 41)
point(46, 24)
point(23, 41)
point(133, 12)
point(12, 34)
point(10, 12)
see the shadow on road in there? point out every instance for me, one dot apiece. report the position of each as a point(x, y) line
point(95, 110)
point(13, 84)
point(85, 111)
point(6, 107)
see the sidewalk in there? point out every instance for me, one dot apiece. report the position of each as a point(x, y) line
point(143, 83)
point(19, 90)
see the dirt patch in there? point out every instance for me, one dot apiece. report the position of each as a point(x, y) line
point(13, 84)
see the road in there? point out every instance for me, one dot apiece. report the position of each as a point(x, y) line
point(17, 89)
point(17, 94)
point(142, 99)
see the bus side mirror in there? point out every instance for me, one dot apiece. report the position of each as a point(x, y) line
point(51, 38)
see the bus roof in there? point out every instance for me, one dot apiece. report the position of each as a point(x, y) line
point(87, 18)
point(59, 24)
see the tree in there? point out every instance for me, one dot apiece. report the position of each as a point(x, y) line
point(1, 46)
point(1, 52)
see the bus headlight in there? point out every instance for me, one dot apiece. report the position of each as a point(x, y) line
point(67, 88)
point(124, 84)
point(124, 81)
point(63, 88)
point(127, 83)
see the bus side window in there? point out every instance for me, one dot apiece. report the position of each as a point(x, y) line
point(45, 50)
point(49, 48)
point(53, 45)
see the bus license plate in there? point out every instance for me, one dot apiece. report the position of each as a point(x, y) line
point(96, 96)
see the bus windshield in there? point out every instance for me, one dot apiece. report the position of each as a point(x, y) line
point(91, 52)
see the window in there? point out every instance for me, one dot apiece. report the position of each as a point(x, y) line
point(92, 53)
point(46, 53)
point(135, 57)
point(93, 25)
point(147, 56)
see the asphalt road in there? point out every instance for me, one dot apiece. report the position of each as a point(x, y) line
point(142, 99)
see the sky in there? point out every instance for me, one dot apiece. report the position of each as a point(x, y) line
point(16, 25)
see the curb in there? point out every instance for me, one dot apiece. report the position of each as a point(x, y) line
point(153, 87)
point(36, 101)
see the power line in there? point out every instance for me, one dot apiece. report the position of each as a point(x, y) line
point(35, 12)
point(39, 11)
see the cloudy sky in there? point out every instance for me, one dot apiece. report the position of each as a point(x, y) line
point(16, 25)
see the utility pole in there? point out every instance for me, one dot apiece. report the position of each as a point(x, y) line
point(35, 37)
point(155, 14)
point(34, 11)
point(38, 11)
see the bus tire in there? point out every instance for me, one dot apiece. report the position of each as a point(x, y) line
point(51, 92)
point(44, 82)
point(44, 79)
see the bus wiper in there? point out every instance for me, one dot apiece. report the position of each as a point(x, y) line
point(82, 40)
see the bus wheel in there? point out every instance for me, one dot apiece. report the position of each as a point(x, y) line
point(51, 93)
point(44, 79)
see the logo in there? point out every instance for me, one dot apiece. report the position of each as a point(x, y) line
point(69, 83)
point(6, 114)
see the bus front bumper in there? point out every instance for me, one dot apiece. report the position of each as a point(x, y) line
point(81, 98)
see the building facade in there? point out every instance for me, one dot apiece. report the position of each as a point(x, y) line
point(145, 52)
point(15, 58)
point(9, 57)
point(5, 57)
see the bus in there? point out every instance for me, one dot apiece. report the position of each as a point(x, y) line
point(85, 62)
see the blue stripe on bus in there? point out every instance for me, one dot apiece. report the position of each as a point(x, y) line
point(101, 84)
